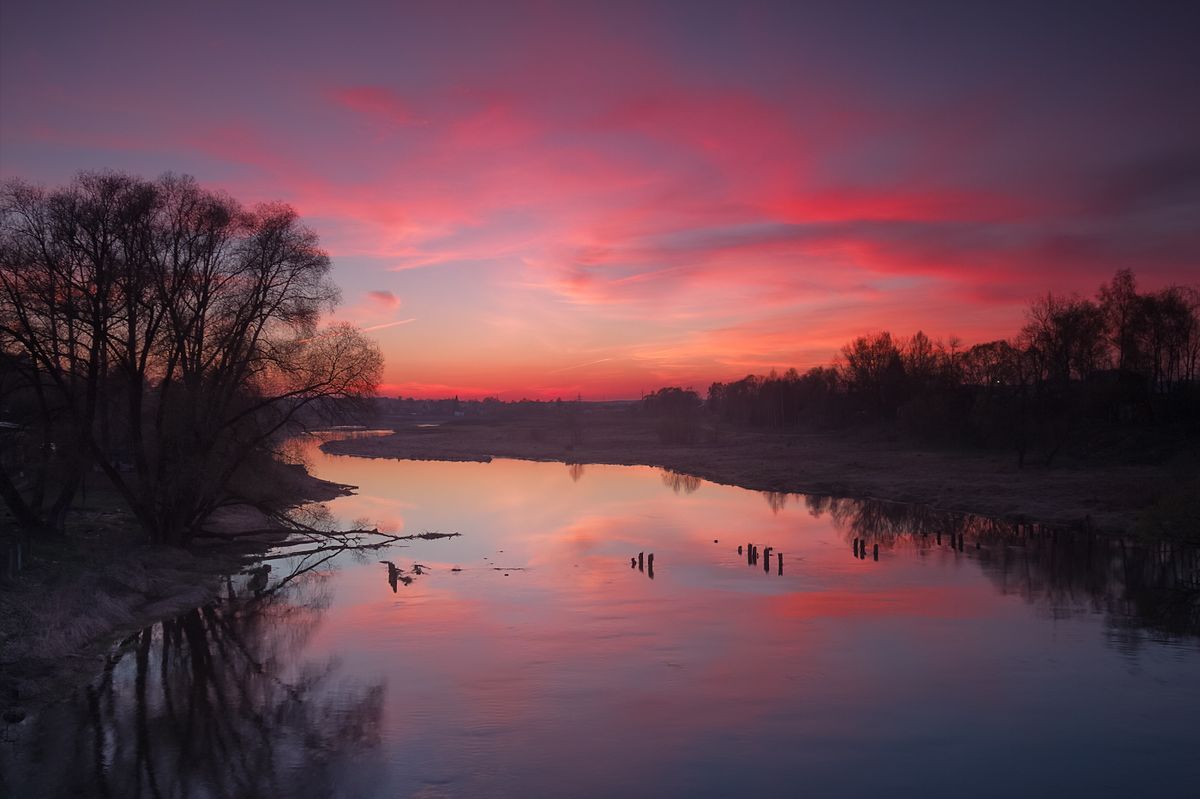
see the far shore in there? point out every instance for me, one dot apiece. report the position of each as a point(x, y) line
point(1107, 498)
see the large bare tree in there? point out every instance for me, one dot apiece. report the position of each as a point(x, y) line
point(164, 334)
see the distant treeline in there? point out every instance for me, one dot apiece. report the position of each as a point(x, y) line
point(1124, 359)
point(490, 407)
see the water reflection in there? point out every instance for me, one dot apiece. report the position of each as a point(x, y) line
point(219, 701)
point(524, 658)
point(679, 482)
point(776, 500)
point(1138, 586)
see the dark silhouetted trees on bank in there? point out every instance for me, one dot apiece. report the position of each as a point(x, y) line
point(1125, 358)
point(676, 414)
point(164, 335)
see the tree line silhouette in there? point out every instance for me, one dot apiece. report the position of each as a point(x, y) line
point(164, 335)
point(1125, 359)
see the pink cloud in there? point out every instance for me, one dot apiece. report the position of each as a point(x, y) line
point(376, 102)
point(384, 299)
point(662, 218)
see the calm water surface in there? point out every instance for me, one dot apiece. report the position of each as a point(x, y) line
point(1017, 664)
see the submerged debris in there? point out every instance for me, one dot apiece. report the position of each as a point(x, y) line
point(396, 575)
point(753, 554)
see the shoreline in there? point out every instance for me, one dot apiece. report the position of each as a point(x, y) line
point(84, 592)
point(1108, 498)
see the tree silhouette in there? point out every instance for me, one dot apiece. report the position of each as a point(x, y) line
point(1076, 368)
point(165, 335)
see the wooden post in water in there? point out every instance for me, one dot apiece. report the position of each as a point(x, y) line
point(641, 561)
point(856, 547)
point(780, 556)
point(875, 553)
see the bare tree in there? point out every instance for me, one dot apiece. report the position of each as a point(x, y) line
point(168, 335)
point(873, 368)
point(1067, 336)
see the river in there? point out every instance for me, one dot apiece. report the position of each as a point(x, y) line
point(534, 656)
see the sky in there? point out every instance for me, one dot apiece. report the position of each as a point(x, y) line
point(557, 199)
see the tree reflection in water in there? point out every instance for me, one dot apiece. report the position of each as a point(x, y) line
point(215, 702)
point(778, 500)
point(1140, 587)
point(680, 482)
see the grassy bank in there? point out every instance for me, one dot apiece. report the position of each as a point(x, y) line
point(1109, 497)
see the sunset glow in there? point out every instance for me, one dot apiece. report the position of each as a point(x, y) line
point(559, 199)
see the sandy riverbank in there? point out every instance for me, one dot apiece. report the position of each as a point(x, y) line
point(1108, 497)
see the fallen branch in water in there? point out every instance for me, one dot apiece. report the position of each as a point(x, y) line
point(282, 531)
point(429, 536)
point(328, 548)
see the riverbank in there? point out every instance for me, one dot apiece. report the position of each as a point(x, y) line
point(79, 593)
point(1111, 498)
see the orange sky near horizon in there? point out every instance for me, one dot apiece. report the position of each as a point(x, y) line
point(540, 200)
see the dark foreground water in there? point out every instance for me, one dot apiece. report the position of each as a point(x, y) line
point(1013, 662)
